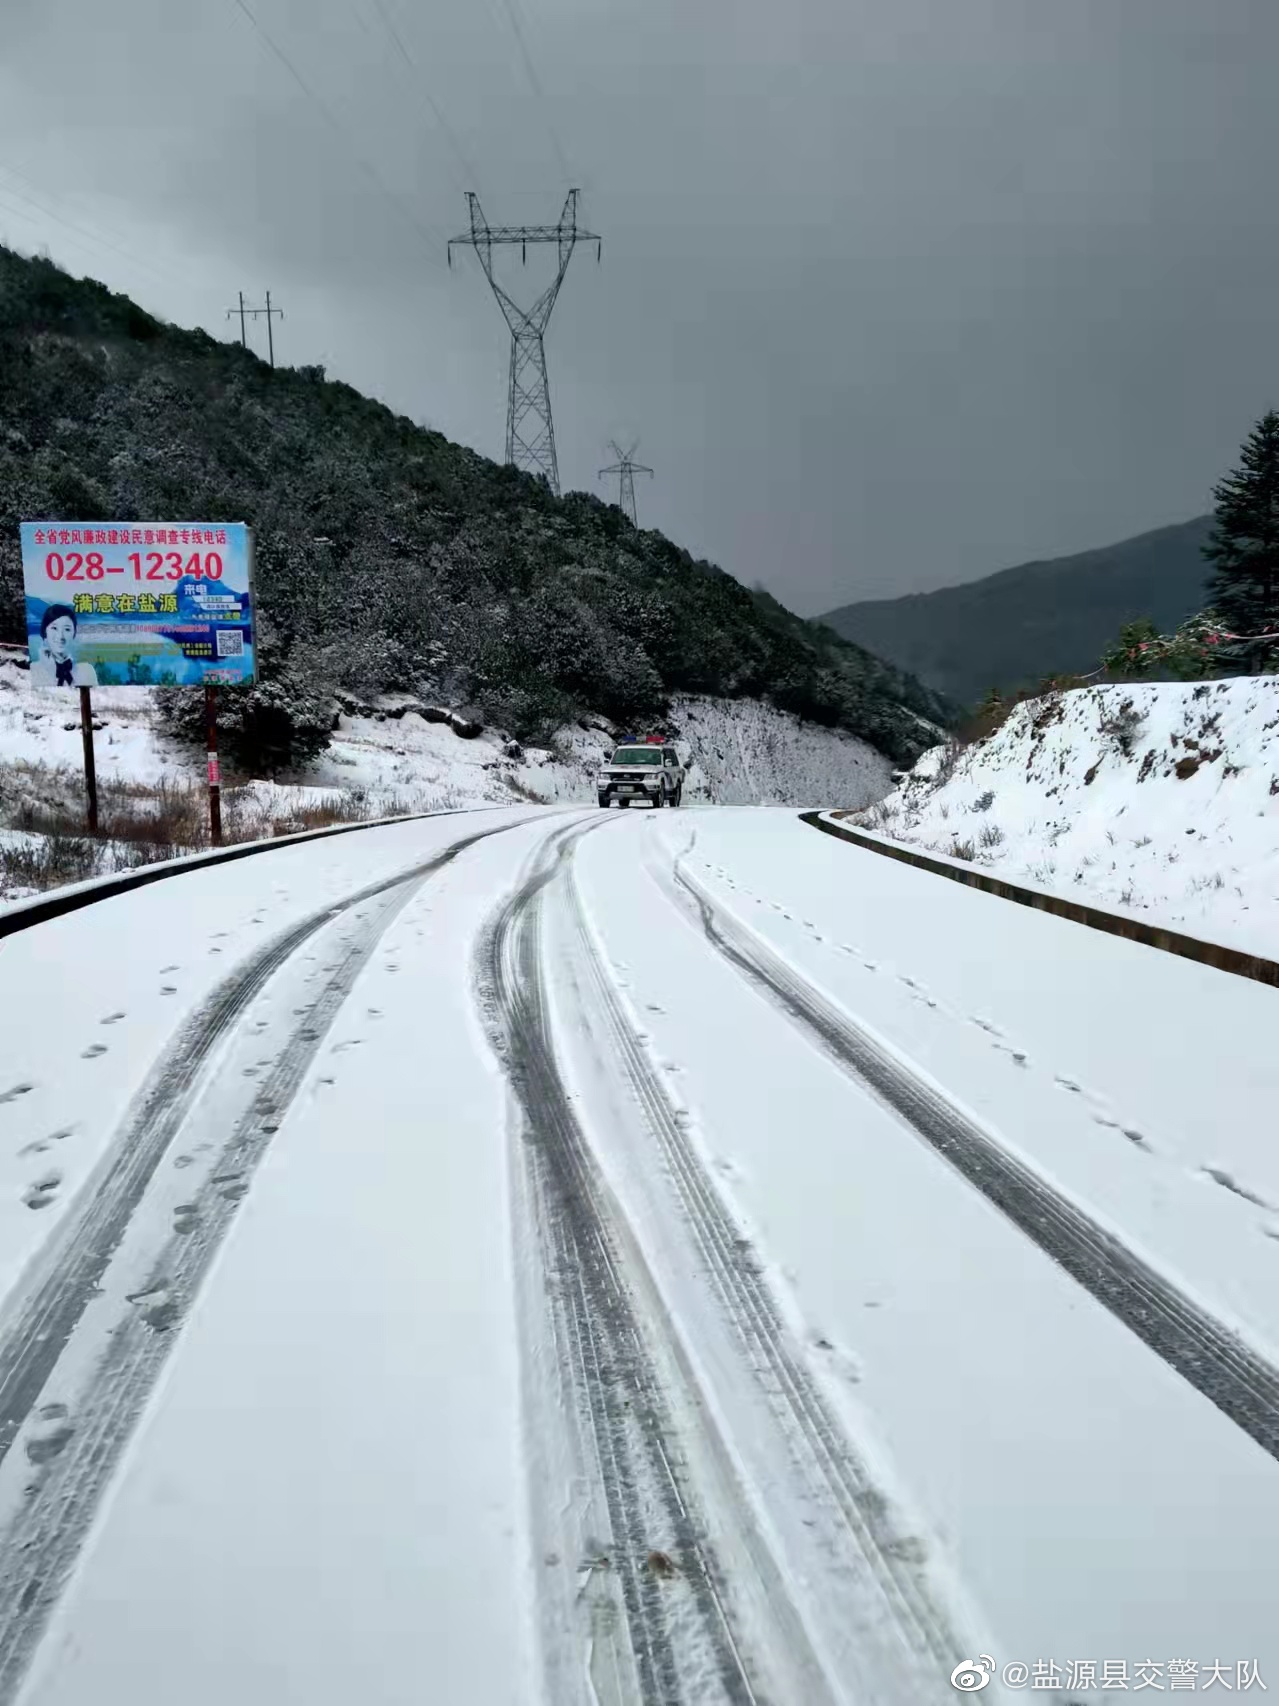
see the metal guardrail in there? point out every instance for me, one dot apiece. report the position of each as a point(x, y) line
point(1215, 954)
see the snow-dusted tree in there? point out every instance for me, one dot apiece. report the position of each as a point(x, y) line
point(1244, 548)
point(281, 722)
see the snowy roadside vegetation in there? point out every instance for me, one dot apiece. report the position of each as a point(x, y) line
point(384, 759)
point(1157, 798)
point(389, 560)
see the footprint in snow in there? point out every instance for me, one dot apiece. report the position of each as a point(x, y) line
point(651, 1007)
point(350, 1042)
point(1018, 1056)
point(111, 1019)
point(161, 1315)
point(840, 1360)
point(985, 1025)
point(50, 1434)
point(93, 1051)
point(164, 969)
point(1068, 1084)
point(374, 1012)
point(41, 1192)
point(186, 1217)
point(159, 1311)
point(168, 989)
point(14, 1091)
point(1220, 1177)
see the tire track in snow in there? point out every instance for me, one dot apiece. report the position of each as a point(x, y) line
point(42, 1541)
point(1217, 1362)
point(683, 1649)
point(882, 1579)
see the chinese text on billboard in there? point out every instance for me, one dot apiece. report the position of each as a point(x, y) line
point(138, 605)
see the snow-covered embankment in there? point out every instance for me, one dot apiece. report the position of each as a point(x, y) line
point(1158, 799)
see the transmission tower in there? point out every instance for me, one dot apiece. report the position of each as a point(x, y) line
point(530, 435)
point(626, 470)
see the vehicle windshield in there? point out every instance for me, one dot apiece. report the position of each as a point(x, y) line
point(637, 755)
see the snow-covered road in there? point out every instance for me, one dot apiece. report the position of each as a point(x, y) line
point(547, 1256)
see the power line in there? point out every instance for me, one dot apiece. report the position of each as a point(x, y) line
point(535, 83)
point(446, 128)
point(95, 238)
point(369, 171)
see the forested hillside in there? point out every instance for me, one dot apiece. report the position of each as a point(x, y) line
point(389, 558)
point(1012, 629)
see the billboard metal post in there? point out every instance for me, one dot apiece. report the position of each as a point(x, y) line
point(215, 778)
point(90, 769)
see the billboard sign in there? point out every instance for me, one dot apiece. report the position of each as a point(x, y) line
point(146, 604)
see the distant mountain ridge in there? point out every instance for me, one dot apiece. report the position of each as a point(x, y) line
point(1055, 616)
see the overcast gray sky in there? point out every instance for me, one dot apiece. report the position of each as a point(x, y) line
point(894, 293)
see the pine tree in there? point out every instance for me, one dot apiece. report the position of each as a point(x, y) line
point(1244, 546)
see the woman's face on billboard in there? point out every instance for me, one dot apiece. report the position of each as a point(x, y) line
point(59, 635)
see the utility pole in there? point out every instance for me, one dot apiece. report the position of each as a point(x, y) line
point(530, 434)
point(270, 312)
point(245, 312)
point(626, 470)
point(244, 336)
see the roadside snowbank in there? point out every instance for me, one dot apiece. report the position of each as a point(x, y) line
point(1160, 799)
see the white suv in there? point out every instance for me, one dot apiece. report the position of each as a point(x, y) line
point(642, 770)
